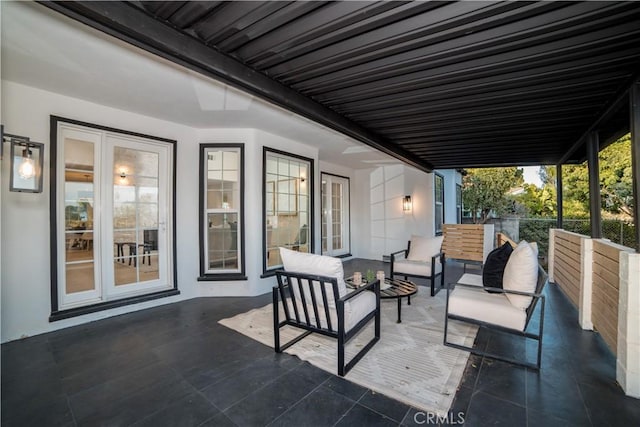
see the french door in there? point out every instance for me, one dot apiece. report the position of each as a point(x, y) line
point(114, 218)
point(335, 215)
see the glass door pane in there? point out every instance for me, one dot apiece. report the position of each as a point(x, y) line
point(113, 211)
point(325, 216)
point(78, 206)
point(335, 215)
point(137, 231)
point(78, 216)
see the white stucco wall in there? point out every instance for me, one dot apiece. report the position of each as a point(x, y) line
point(25, 262)
point(25, 293)
point(378, 224)
point(382, 227)
point(451, 178)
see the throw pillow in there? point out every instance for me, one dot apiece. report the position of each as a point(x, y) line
point(521, 274)
point(493, 270)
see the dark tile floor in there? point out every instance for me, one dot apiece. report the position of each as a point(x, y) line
point(176, 366)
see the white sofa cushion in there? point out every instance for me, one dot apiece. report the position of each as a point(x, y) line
point(491, 308)
point(423, 248)
point(415, 268)
point(521, 274)
point(320, 265)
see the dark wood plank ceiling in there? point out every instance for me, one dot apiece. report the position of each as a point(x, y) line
point(441, 84)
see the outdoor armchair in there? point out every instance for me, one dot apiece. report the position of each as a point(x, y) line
point(508, 310)
point(422, 259)
point(321, 304)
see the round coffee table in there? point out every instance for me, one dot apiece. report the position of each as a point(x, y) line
point(397, 288)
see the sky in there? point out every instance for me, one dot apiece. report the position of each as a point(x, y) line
point(531, 175)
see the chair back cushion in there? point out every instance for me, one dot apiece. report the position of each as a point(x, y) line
point(521, 274)
point(493, 270)
point(423, 248)
point(319, 265)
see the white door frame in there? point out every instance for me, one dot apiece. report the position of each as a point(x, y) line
point(103, 246)
point(346, 216)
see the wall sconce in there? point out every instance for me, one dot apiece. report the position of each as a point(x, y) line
point(406, 203)
point(27, 161)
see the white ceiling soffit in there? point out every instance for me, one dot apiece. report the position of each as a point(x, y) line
point(43, 49)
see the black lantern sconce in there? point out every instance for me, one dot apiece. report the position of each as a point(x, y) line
point(27, 161)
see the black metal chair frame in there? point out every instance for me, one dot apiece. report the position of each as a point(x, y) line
point(536, 296)
point(150, 238)
point(303, 320)
point(433, 276)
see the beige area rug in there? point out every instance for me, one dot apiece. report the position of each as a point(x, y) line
point(409, 363)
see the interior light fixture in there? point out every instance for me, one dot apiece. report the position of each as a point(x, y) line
point(27, 168)
point(26, 163)
point(406, 203)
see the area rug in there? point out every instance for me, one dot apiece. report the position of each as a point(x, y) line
point(409, 363)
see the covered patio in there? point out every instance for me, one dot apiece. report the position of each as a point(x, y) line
point(175, 365)
point(388, 99)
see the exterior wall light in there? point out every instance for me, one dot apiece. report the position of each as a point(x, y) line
point(27, 161)
point(406, 204)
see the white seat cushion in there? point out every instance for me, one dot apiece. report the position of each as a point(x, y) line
point(318, 265)
point(471, 279)
point(423, 248)
point(521, 274)
point(491, 308)
point(354, 311)
point(415, 268)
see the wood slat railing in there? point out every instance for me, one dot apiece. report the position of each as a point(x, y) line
point(568, 264)
point(606, 289)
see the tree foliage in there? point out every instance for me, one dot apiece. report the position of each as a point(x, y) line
point(616, 178)
point(616, 188)
point(485, 191)
point(538, 201)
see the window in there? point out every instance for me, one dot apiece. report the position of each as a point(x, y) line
point(288, 205)
point(459, 203)
point(335, 215)
point(222, 212)
point(439, 203)
point(111, 218)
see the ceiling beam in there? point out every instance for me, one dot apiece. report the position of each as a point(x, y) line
point(132, 25)
point(617, 102)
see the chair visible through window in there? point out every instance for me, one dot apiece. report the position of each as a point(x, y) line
point(150, 239)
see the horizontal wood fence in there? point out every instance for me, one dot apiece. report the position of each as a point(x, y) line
point(567, 264)
point(606, 290)
point(464, 241)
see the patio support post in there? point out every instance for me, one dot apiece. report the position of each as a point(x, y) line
point(559, 193)
point(594, 185)
point(634, 95)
